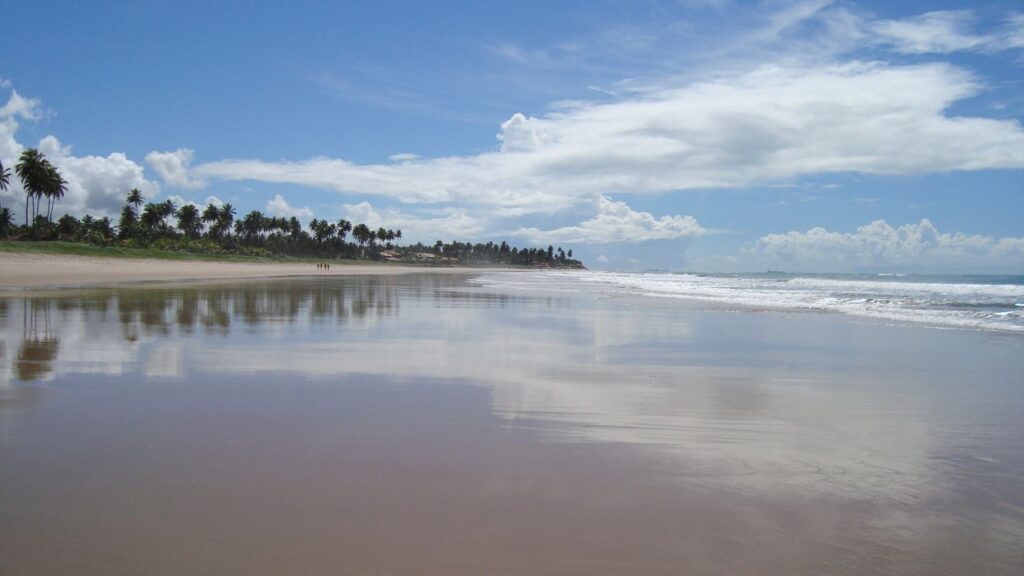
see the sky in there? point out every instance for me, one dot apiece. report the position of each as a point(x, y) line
point(803, 135)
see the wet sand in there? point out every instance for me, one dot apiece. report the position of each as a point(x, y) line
point(35, 271)
point(419, 425)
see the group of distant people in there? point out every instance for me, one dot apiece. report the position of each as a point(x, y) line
point(323, 266)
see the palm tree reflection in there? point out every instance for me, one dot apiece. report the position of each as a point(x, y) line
point(90, 318)
point(39, 342)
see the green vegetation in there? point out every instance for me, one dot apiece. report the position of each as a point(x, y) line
point(163, 230)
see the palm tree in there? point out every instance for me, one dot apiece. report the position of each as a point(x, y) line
point(344, 227)
point(55, 189)
point(34, 172)
point(322, 230)
point(167, 208)
point(361, 233)
point(103, 227)
point(126, 226)
point(210, 214)
point(6, 222)
point(225, 218)
point(294, 228)
point(5, 177)
point(135, 198)
point(252, 225)
point(189, 221)
point(227, 214)
point(68, 227)
point(152, 216)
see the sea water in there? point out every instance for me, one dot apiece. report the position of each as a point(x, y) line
point(944, 301)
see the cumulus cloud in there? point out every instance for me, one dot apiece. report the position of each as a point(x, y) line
point(444, 224)
point(173, 167)
point(278, 206)
point(772, 124)
point(18, 105)
point(880, 246)
point(96, 184)
point(617, 222)
point(182, 201)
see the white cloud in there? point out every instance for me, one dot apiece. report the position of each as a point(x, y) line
point(173, 167)
point(769, 125)
point(617, 222)
point(278, 206)
point(403, 157)
point(444, 224)
point(96, 184)
point(879, 246)
point(213, 200)
point(1013, 31)
point(943, 32)
point(180, 201)
point(18, 105)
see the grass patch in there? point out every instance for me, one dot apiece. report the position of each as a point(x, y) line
point(76, 249)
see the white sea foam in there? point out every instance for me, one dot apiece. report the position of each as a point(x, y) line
point(939, 302)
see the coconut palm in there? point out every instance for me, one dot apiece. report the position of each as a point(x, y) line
point(55, 189)
point(168, 208)
point(152, 216)
point(226, 216)
point(103, 227)
point(361, 233)
point(222, 223)
point(189, 221)
point(68, 227)
point(294, 228)
point(6, 222)
point(127, 224)
point(5, 177)
point(252, 225)
point(344, 227)
point(135, 198)
point(34, 172)
point(210, 214)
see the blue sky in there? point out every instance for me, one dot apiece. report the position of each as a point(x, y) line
point(700, 135)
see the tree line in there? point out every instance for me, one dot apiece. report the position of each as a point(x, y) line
point(218, 229)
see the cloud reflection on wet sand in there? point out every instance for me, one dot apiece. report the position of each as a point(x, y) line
point(803, 436)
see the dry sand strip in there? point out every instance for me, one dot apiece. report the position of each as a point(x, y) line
point(21, 271)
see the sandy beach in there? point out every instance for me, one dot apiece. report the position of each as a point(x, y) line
point(423, 424)
point(40, 271)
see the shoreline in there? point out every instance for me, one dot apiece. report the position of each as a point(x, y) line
point(24, 272)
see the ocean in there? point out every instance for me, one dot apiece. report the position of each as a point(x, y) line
point(976, 302)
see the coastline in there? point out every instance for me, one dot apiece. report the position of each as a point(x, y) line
point(29, 271)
